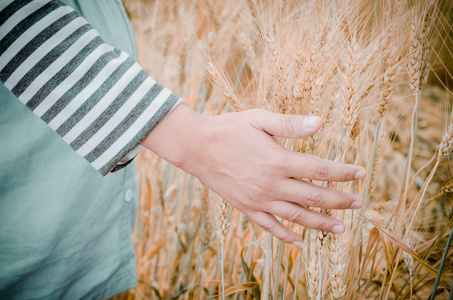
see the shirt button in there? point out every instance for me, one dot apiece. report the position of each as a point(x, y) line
point(128, 196)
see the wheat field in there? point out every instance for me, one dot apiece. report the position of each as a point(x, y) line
point(379, 73)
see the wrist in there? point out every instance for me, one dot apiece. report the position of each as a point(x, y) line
point(178, 137)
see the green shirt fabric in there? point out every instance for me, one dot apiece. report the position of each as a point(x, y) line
point(66, 231)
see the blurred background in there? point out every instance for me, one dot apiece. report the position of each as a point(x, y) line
point(177, 238)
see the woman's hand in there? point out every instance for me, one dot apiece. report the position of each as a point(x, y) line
point(236, 155)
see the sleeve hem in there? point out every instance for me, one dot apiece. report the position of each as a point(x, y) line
point(134, 148)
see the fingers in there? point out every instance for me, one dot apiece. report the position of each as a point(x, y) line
point(295, 214)
point(306, 217)
point(312, 167)
point(305, 193)
point(303, 165)
point(289, 126)
point(269, 223)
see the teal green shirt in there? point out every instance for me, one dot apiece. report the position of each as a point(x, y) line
point(66, 231)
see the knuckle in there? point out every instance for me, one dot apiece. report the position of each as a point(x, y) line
point(297, 216)
point(315, 199)
point(323, 225)
point(286, 237)
point(344, 202)
point(322, 172)
point(289, 123)
point(266, 186)
point(279, 161)
point(347, 172)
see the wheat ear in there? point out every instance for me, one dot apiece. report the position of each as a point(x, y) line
point(351, 103)
point(446, 188)
point(224, 87)
point(222, 226)
point(337, 268)
point(313, 275)
point(415, 57)
point(446, 145)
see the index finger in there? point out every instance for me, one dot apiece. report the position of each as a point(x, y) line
point(311, 167)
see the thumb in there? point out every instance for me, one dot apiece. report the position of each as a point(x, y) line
point(288, 126)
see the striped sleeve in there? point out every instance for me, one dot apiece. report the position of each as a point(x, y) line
point(96, 97)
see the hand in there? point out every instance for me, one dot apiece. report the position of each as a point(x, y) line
point(236, 155)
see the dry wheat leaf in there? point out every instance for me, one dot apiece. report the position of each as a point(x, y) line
point(430, 269)
point(238, 288)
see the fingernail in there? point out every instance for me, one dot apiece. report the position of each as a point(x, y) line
point(356, 204)
point(310, 122)
point(297, 244)
point(360, 174)
point(337, 229)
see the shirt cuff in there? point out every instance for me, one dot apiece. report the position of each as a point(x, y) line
point(129, 157)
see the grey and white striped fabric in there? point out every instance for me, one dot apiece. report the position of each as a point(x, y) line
point(101, 102)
